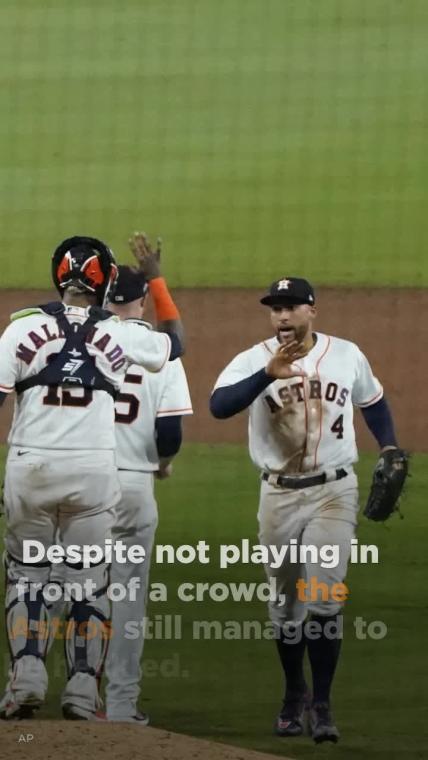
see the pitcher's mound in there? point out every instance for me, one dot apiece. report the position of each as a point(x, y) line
point(55, 739)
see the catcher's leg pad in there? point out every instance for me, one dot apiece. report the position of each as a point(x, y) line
point(27, 629)
point(86, 641)
point(27, 615)
point(87, 634)
point(58, 605)
point(87, 628)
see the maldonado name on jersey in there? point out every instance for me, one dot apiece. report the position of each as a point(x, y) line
point(26, 353)
point(72, 417)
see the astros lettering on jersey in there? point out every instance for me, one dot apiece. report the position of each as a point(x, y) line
point(306, 424)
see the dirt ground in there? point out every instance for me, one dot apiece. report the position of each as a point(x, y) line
point(390, 325)
point(52, 739)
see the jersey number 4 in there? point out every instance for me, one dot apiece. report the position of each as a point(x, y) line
point(337, 427)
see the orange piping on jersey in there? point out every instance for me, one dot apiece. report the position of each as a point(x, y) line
point(318, 376)
point(267, 347)
point(372, 400)
point(6, 388)
point(306, 424)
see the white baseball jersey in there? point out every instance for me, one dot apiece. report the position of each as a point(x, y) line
point(306, 424)
point(144, 398)
point(53, 418)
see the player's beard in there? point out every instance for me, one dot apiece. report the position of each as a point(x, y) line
point(290, 333)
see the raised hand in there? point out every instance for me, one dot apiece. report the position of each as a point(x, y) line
point(148, 260)
point(281, 365)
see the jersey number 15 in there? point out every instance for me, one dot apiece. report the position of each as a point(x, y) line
point(82, 397)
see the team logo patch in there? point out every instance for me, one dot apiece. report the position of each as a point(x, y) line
point(73, 365)
point(284, 284)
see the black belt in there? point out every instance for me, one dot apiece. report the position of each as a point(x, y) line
point(283, 481)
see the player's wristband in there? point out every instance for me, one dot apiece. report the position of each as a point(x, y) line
point(164, 305)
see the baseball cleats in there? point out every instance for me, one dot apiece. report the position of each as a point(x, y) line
point(26, 689)
point(12, 709)
point(139, 719)
point(291, 719)
point(80, 699)
point(321, 725)
point(76, 712)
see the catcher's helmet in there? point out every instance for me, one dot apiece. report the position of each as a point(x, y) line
point(86, 263)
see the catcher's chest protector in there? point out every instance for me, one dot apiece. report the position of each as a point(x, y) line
point(73, 365)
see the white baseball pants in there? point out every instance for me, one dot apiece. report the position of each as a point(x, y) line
point(317, 516)
point(136, 522)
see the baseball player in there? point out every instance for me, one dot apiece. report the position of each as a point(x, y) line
point(300, 387)
point(149, 411)
point(66, 361)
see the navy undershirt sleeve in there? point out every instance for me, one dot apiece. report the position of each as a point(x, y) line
point(177, 348)
point(168, 436)
point(2, 398)
point(380, 423)
point(231, 399)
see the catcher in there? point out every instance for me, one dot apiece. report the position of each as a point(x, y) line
point(300, 387)
point(66, 361)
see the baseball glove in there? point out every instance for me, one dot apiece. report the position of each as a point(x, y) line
point(388, 480)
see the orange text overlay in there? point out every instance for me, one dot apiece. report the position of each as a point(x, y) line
point(313, 590)
point(60, 629)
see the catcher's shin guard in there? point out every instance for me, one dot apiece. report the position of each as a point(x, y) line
point(86, 636)
point(27, 628)
point(27, 615)
point(86, 640)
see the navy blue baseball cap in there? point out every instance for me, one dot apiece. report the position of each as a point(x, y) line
point(131, 285)
point(293, 290)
